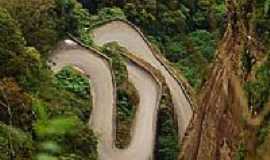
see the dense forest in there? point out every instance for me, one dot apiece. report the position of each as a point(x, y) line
point(44, 115)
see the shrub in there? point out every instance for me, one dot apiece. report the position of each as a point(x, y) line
point(12, 46)
point(62, 136)
point(167, 142)
point(263, 133)
point(125, 108)
point(14, 143)
point(258, 90)
point(84, 143)
point(204, 42)
point(257, 94)
point(15, 105)
point(176, 51)
point(192, 74)
point(71, 80)
point(113, 50)
point(37, 20)
point(44, 22)
point(240, 155)
point(106, 14)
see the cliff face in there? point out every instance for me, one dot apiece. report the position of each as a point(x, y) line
point(216, 130)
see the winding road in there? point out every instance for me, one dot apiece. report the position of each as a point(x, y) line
point(132, 38)
point(98, 68)
point(103, 93)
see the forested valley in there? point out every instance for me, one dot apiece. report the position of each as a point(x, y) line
point(216, 50)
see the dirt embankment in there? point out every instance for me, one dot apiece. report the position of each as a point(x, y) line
point(216, 130)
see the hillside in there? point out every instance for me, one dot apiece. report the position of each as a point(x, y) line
point(134, 79)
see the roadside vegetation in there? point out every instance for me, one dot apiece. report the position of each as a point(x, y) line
point(127, 101)
point(55, 133)
point(167, 142)
point(72, 80)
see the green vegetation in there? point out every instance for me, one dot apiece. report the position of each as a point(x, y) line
point(258, 94)
point(14, 143)
point(113, 51)
point(240, 155)
point(42, 116)
point(105, 15)
point(61, 119)
point(76, 88)
point(55, 133)
point(258, 90)
point(167, 143)
point(257, 86)
point(87, 22)
point(16, 58)
point(195, 54)
point(126, 108)
point(45, 22)
point(71, 80)
point(126, 111)
point(60, 125)
point(261, 20)
point(264, 131)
